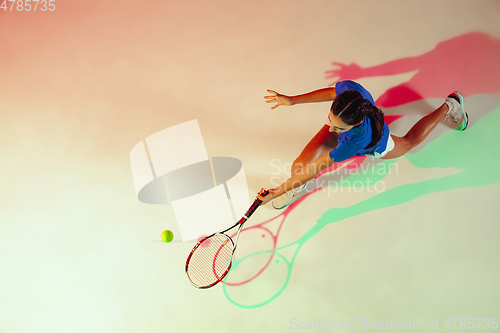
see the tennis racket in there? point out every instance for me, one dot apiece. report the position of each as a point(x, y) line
point(211, 258)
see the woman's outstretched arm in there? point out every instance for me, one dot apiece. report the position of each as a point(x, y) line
point(320, 95)
point(300, 177)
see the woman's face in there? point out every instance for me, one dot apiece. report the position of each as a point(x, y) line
point(337, 125)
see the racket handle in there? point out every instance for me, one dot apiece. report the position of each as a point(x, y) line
point(255, 205)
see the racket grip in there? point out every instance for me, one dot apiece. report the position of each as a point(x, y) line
point(255, 205)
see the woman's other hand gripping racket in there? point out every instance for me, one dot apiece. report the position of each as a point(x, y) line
point(265, 196)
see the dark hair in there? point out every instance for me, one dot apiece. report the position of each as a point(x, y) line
point(351, 107)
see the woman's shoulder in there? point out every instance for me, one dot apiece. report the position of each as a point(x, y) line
point(346, 85)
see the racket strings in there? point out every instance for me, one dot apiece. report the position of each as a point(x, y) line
point(210, 261)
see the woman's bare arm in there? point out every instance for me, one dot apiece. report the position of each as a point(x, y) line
point(320, 95)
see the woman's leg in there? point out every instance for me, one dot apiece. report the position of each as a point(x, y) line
point(417, 133)
point(319, 145)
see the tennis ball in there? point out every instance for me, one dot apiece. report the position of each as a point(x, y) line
point(167, 236)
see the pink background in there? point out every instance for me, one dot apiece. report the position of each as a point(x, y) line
point(80, 86)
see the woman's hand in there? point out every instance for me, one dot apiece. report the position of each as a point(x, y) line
point(267, 198)
point(278, 99)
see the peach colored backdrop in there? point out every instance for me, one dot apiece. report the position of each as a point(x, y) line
point(80, 86)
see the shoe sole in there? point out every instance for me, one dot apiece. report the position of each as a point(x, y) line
point(293, 198)
point(288, 204)
point(464, 114)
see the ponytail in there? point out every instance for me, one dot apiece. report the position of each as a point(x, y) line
point(377, 121)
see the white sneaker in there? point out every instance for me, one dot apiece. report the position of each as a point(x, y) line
point(287, 198)
point(456, 114)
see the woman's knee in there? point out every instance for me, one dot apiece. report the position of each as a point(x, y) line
point(405, 145)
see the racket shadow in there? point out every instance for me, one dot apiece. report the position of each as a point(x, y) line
point(262, 272)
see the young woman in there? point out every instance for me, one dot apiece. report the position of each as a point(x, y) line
point(355, 127)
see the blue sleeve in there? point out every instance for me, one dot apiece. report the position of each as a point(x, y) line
point(344, 151)
point(346, 85)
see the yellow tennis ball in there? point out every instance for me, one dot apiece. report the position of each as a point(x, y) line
point(167, 236)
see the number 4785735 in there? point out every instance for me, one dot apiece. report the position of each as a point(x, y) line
point(28, 5)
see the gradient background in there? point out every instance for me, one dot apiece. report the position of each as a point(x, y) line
point(80, 86)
